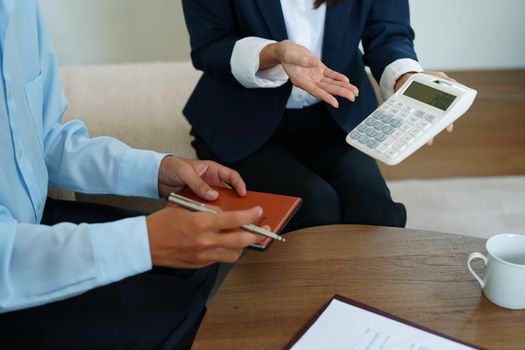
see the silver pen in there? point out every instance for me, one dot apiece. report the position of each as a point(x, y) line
point(189, 203)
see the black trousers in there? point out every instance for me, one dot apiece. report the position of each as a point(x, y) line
point(307, 156)
point(161, 309)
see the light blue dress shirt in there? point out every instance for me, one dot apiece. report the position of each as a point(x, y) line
point(40, 264)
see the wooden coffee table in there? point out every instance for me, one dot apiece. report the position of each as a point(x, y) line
point(418, 275)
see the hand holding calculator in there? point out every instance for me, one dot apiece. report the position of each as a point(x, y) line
point(418, 111)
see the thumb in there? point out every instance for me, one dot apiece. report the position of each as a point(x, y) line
point(301, 59)
point(308, 62)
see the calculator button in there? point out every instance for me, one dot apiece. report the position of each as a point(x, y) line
point(397, 134)
point(378, 125)
point(389, 141)
point(382, 147)
point(355, 134)
point(413, 120)
point(362, 128)
point(369, 121)
point(423, 125)
point(415, 132)
point(407, 139)
point(371, 143)
point(403, 115)
point(376, 114)
point(380, 137)
point(400, 146)
point(391, 153)
point(371, 132)
point(395, 123)
point(405, 127)
point(362, 139)
point(408, 109)
point(385, 118)
point(419, 113)
point(388, 130)
point(430, 118)
point(394, 111)
point(399, 105)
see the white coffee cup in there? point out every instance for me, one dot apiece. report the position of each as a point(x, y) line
point(503, 282)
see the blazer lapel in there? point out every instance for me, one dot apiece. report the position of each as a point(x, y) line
point(336, 22)
point(273, 17)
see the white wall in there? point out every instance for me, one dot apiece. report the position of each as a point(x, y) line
point(469, 34)
point(450, 34)
point(97, 31)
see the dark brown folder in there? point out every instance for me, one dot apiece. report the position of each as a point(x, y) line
point(277, 208)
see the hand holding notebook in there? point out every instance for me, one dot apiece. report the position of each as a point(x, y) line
point(278, 209)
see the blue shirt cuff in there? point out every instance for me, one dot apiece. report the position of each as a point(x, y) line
point(139, 173)
point(120, 249)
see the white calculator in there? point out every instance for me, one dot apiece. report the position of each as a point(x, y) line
point(423, 107)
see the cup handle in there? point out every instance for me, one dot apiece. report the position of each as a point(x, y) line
point(471, 257)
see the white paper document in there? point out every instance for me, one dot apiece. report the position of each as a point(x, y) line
point(345, 326)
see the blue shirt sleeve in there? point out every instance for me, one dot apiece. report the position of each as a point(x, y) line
point(41, 264)
point(74, 160)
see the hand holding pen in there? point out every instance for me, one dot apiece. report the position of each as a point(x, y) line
point(181, 238)
point(198, 206)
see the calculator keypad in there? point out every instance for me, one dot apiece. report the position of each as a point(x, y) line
point(392, 127)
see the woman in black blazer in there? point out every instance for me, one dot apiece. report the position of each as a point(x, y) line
point(268, 107)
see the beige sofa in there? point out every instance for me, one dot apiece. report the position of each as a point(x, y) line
point(140, 104)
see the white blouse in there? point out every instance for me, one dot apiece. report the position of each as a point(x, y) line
point(305, 26)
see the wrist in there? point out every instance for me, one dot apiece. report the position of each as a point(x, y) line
point(163, 170)
point(402, 79)
point(269, 56)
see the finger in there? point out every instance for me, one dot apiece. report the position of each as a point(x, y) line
point(216, 174)
point(335, 90)
point(316, 91)
point(346, 83)
point(235, 218)
point(189, 176)
point(332, 74)
point(450, 128)
point(237, 240)
point(234, 179)
point(430, 142)
point(441, 75)
point(226, 255)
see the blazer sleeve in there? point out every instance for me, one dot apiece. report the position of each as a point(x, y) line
point(211, 26)
point(387, 35)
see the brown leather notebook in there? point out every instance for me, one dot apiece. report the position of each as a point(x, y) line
point(277, 208)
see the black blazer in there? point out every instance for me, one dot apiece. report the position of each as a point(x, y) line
point(235, 121)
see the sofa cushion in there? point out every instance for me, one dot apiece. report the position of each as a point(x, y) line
point(138, 103)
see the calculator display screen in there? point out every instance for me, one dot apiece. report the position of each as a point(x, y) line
point(430, 96)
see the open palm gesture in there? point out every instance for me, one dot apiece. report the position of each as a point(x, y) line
point(307, 72)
